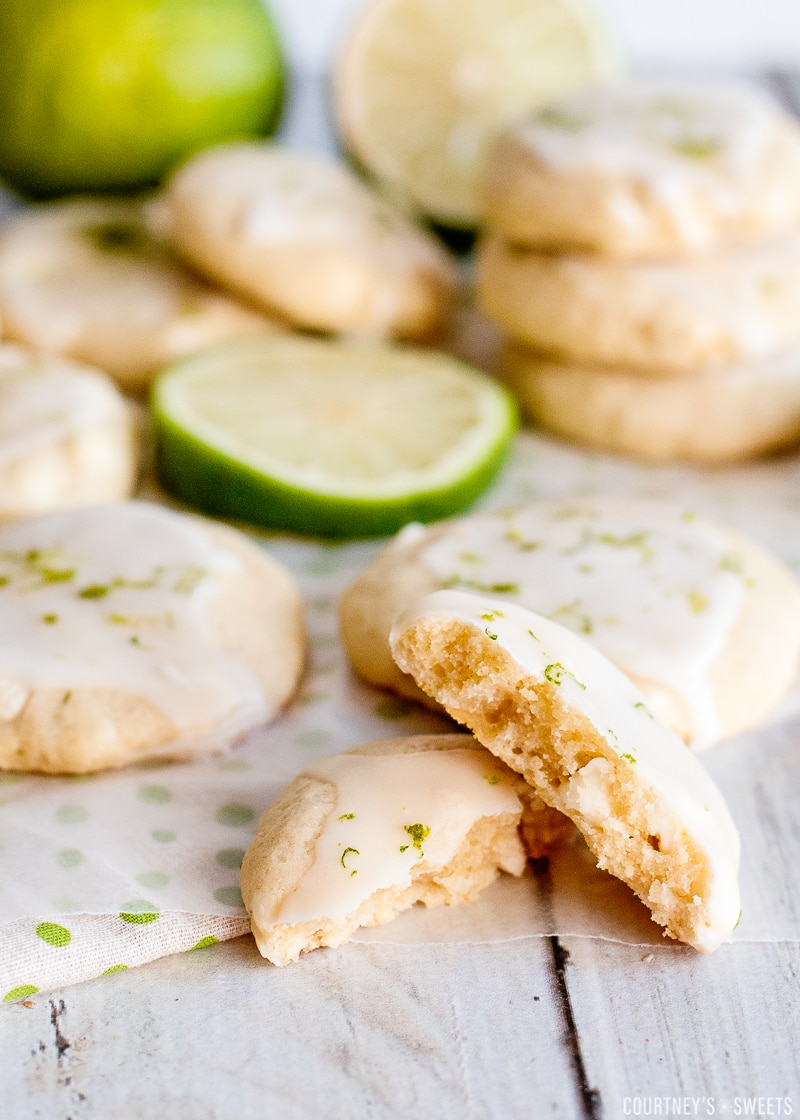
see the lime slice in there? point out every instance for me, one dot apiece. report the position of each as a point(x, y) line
point(329, 438)
point(421, 87)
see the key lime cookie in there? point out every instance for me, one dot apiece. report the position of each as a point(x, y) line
point(302, 236)
point(647, 168)
point(67, 437)
point(755, 408)
point(704, 621)
point(86, 278)
point(559, 713)
point(666, 318)
point(361, 836)
point(132, 631)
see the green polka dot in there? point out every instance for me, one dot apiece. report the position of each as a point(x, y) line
point(70, 857)
point(154, 795)
point(313, 739)
point(234, 765)
point(392, 709)
point(231, 896)
point(55, 935)
point(235, 814)
point(152, 879)
point(231, 857)
point(163, 835)
point(71, 814)
point(204, 942)
point(114, 968)
point(139, 912)
point(20, 992)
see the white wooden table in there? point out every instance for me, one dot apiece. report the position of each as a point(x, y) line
point(530, 1028)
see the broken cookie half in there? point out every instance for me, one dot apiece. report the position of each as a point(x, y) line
point(560, 714)
point(361, 836)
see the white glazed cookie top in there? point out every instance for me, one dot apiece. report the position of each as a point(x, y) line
point(660, 131)
point(44, 400)
point(655, 589)
point(116, 597)
point(684, 140)
point(285, 197)
point(393, 812)
point(686, 801)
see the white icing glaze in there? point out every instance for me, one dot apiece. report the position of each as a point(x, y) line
point(686, 799)
point(44, 401)
point(696, 146)
point(292, 198)
point(651, 587)
point(443, 791)
point(117, 597)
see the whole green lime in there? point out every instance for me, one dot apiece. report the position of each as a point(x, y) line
point(108, 94)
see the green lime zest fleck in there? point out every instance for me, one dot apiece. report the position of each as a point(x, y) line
point(346, 852)
point(697, 148)
point(65, 699)
point(738, 919)
point(135, 640)
point(485, 588)
point(347, 817)
point(489, 634)
point(418, 833)
point(55, 575)
point(534, 636)
point(492, 779)
point(94, 591)
point(4, 581)
point(697, 602)
point(490, 616)
point(642, 707)
point(628, 758)
point(189, 579)
point(20, 992)
point(404, 847)
point(50, 619)
point(556, 673)
point(633, 540)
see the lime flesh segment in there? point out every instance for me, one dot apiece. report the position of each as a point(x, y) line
point(422, 87)
point(329, 438)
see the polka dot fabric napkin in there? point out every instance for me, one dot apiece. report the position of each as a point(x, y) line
point(107, 872)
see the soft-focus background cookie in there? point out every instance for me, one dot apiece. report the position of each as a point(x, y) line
point(677, 317)
point(85, 278)
point(302, 236)
point(130, 630)
point(717, 416)
point(648, 168)
point(361, 836)
point(704, 621)
point(67, 437)
point(559, 713)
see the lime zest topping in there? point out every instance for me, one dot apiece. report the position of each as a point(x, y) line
point(697, 602)
point(642, 707)
point(49, 619)
point(490, 616)
point(697, 148)
point(484, 588)
point(556, 673)
point(628, 758)
point(489, 634)
point(418, 833)
point(345, 853)
point(492, 779)
point(534, 636)
point(94, 591)
point(347, 817)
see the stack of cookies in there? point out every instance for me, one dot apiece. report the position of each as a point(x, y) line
point(643, 255)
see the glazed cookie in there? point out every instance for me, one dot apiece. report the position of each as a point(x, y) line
point(647, 168)
point(704, 621)
point(559, 713)
point(361, 836)
point(130, 630)
point(86, 278)
point(756, 408)
point(302, 236)
point(67, 437)
point(725, 309)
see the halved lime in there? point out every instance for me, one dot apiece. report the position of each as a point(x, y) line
point(329, 438)
point(422, 86)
